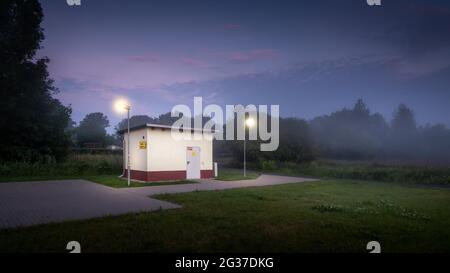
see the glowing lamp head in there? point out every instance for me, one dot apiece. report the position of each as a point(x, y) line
point(250, 122)
point(121, 106)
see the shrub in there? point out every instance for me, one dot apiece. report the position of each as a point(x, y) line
point(268, 165)
point(328, 208)
point(75, 165)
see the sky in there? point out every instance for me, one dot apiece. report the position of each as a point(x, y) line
point(310, 57)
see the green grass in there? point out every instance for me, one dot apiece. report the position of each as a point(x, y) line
point(116, 182)
point(234, 174)
point(327, 216)
point(113, 181)
point(427, 175)
point(37, 178)
point(75, 166)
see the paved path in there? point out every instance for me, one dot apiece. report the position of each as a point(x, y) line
point(211, 185)
point(33, 203)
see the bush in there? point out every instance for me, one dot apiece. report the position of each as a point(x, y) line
point(268, 165)
point(372, 172)
point(76, 165)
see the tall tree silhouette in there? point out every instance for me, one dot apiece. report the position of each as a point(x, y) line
point(404, 122)
point(92, 129)
point(350, 133)
point(32, 123)
point(404, 134)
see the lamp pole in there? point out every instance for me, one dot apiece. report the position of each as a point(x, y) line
point(248, 123)
point(245, 153)
point(121, 105)
point(128, 108)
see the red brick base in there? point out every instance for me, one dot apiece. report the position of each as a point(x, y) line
point(164, 175)
point(205, 174)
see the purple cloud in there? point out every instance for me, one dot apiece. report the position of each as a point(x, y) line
point(194, 62)
point(144, 58)
point(252, 55)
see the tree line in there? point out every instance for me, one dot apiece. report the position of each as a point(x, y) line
point(35, 126)
point(353, 133)
point(92, 132)
point(350, 134)
point(359, 134)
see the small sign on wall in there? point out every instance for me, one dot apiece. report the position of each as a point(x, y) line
point(143, 145)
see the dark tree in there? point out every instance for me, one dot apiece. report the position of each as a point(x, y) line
point(32, 123)
point(92, 130)
point(404, 136)
point(134, 122)
point(295, 146)
point(436, 139)
point(350, 133)
point(360, 109)
point(164, 119)
point(404, 122)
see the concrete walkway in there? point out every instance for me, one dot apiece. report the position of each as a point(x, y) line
point(212, 185)
point(32, 203)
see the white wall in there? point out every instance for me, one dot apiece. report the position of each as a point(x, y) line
point(168, 154)
point(138, 156)
point(164, 153)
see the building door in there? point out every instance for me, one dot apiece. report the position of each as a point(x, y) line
point(193, 163)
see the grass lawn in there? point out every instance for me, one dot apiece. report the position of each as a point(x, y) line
point(427, 175)
point(108, 180)
point(37, 178)
point(116, 182)
point(235, 174)
point(327, 216)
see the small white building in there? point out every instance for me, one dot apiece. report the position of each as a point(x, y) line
point(157, 156)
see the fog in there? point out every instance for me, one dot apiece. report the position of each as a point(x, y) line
point(354, 133)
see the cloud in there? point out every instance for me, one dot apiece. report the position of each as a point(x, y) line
point(195, 62)
point(304, 89)
point(144, 58)
point(423, 64)
point(287, 79)
point(249, 55)
point(309, 89)
point(420, 37)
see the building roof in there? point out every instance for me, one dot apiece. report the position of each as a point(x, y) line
point(165, 127)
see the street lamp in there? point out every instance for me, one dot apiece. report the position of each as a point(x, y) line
point(120, 106)
point(248, 123)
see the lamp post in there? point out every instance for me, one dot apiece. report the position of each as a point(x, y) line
point(245, 154)
point(248, 123)
point(128, 108)
point(121, 105)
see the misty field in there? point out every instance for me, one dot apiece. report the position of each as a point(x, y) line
point(98, 166)
point(405, 207)
point(76, 166)
point(398, 172)
point(326, 216)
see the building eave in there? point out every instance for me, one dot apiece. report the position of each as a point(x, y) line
point(165, 127)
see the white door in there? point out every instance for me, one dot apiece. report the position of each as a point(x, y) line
point(193, 163)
